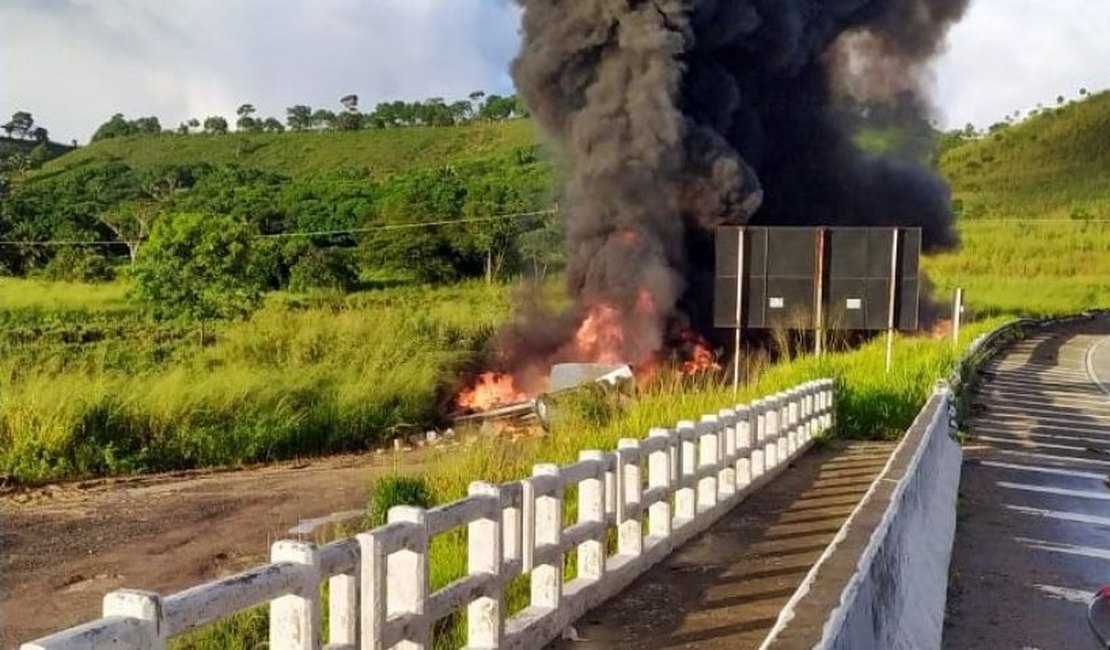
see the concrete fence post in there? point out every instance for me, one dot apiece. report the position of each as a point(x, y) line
point(743, 447)
point(685, 497)
point(659, 476)
point(527, 526)
point(485, 615)
point(770, 438)
point(759, 435)
point(372, 579)
point(512, 529)
point(343, 610)
point(591, 509)
point(807, 412)
point(142, 606)
point(547, 574)
point(407, 576)
point(630, 532)
point(795, 415)
point(708, 461)
point(295, 619)
point(726, 479)
point(783, 447)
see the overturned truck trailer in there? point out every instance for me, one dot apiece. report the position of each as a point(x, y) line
point(565, 378)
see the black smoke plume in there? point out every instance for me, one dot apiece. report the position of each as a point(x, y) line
point(677, 116)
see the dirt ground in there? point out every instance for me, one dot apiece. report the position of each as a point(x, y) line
point(63, 547)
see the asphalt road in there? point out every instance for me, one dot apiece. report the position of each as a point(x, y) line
point(1033, 538)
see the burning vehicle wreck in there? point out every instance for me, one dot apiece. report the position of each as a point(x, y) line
point(674, 118)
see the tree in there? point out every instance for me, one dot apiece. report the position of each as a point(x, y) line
point(348, 121)
point(131, 224)
point(299, 117)
point(272, 125)
point(215, 125)
point(147, 126)
point(246, 122)
point(350, 103)
point(323, 119)
point(194, 123)
point(197, 267)
point(41, 135)
point(21, 123)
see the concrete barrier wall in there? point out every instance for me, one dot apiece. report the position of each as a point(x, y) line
point(897, 597)
point(882, 583)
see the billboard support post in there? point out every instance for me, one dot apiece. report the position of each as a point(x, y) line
point(739, 311)
point(819, 336)
point(891, 321)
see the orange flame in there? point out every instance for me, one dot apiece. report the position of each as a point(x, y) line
point(600, 338)
point(700, 357)
point(492, 390)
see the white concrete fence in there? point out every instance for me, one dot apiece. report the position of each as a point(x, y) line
point(657, 492)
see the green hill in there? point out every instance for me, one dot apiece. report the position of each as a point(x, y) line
point(1053, 166)
point(308, 154)
point(1034, 206)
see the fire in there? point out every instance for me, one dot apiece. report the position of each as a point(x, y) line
point(493, 389)
point(600, 338)
point(700, 358)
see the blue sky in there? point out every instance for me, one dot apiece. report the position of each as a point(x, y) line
point(73, 63)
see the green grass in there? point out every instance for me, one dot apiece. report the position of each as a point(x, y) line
point(1033, 202)
point(46, 296)
point(1053, 166)
point(1028, 268)
point(87, 394)
point(305, 155)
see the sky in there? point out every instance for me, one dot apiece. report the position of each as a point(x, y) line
point(74, 63)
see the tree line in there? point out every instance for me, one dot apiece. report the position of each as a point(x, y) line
point(156, 223)
point(436, 111)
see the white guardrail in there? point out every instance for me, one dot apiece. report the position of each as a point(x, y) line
point(378, 586)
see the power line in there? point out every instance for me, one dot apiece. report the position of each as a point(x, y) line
point(317, 233)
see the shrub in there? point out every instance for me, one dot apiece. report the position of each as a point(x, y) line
point(398, 491)
point(76, 264)
point(323, 269)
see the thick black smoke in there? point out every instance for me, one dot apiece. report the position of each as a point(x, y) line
point(677, 116)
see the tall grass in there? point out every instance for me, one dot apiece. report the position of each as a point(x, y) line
point(301, 377)
point(1027, 268)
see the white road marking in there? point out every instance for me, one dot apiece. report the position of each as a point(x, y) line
point(1079, 494)
point(1062, 418)
point(1045, 398)
point(1031, 444)
point(1089, 364)
point(1049, 457)
point(1069, 549)
point(1062, 516)
point(1066, 593)
point(1044, 470)
point(980, 422)
point(1028, 435)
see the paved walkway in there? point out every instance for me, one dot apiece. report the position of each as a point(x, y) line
point(1033, 539)
point(725, 588)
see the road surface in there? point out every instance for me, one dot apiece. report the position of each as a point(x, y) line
point(725, 588)
point(1033, 538)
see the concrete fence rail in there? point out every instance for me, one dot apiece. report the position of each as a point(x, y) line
point(656, 492)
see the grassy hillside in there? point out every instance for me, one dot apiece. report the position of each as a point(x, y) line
point(1033, 202)
point(1053, 166)
point(304, 155)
